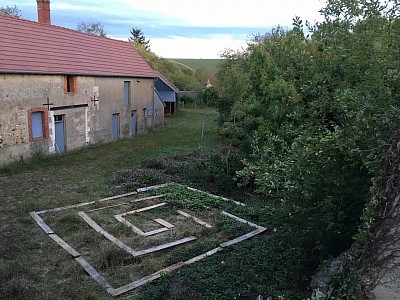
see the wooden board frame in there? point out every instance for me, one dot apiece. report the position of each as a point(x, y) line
point(129, 202)
point(120, 218)
point(125, 247)
point(197, 220)
point(164, 223)
point(135, 284)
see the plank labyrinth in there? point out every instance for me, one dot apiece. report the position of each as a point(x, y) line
point(135, 284)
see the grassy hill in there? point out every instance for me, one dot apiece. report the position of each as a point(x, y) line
point(211, 64)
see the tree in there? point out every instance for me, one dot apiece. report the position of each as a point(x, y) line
point(313, 118)
point(10, 11)
point(139, 38)
point(209, 96)
point(92, 28)
point(183, 78)
point(204, 75)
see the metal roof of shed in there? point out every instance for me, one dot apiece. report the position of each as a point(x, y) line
point(28, 47)
point(168, 84)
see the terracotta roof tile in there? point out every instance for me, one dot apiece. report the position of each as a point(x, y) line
point(30, 47)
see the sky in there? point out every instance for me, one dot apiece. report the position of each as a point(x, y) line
point(180, 28)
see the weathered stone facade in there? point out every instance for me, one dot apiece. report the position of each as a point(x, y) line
point(85, 121)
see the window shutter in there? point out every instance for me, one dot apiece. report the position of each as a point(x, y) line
point(37, 125)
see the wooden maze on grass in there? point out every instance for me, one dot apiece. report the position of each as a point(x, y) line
point(125, 238)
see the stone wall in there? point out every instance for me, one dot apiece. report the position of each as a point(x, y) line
point(86, 121)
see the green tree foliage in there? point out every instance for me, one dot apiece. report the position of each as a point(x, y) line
point(209, 96)
point(313, 117)
point(92, 28)
point(183, 78)
point(139, 38)
point(10, 11)
point(204, 75)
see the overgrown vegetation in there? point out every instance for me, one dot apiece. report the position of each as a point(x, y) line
point(313, 117)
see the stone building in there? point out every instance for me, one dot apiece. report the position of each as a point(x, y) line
point(62, 89)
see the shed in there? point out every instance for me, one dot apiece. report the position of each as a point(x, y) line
point(168, 93)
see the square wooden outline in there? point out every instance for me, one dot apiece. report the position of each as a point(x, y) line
point(138, 283)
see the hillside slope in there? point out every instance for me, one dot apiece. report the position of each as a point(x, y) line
point(194, 64)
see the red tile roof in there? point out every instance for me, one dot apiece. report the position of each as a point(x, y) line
point(31, 48)
point(169, 83)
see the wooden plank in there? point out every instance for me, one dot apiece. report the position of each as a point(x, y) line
point(204, 255)
point(156, 231)
point(136, 229)
point(164, 223)
point(243, 237)
point(197, 220)
point(117, 196)
point(184, 214)
point(149, 198)
point(165, 246)
point(41, 223)
point(203, 192)
point(215, 196)
point(93, 273)
point(110, 206)
point(150, 207)
point(66, 207)
point(104, 233)
point(64, 245)
point(153, 187)
point(240, 220)
point(135, 284)
point(129, 224)
point(143, 209)
point(127, 203)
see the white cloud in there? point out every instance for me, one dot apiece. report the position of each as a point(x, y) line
point(183, 47)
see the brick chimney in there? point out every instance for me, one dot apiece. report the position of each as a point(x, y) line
point(43, 7)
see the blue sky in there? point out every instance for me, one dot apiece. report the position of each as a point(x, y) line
point(179, 28)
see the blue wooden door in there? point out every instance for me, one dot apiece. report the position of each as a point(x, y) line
point(133, 123)
point(60, 133)
point(115, 126)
